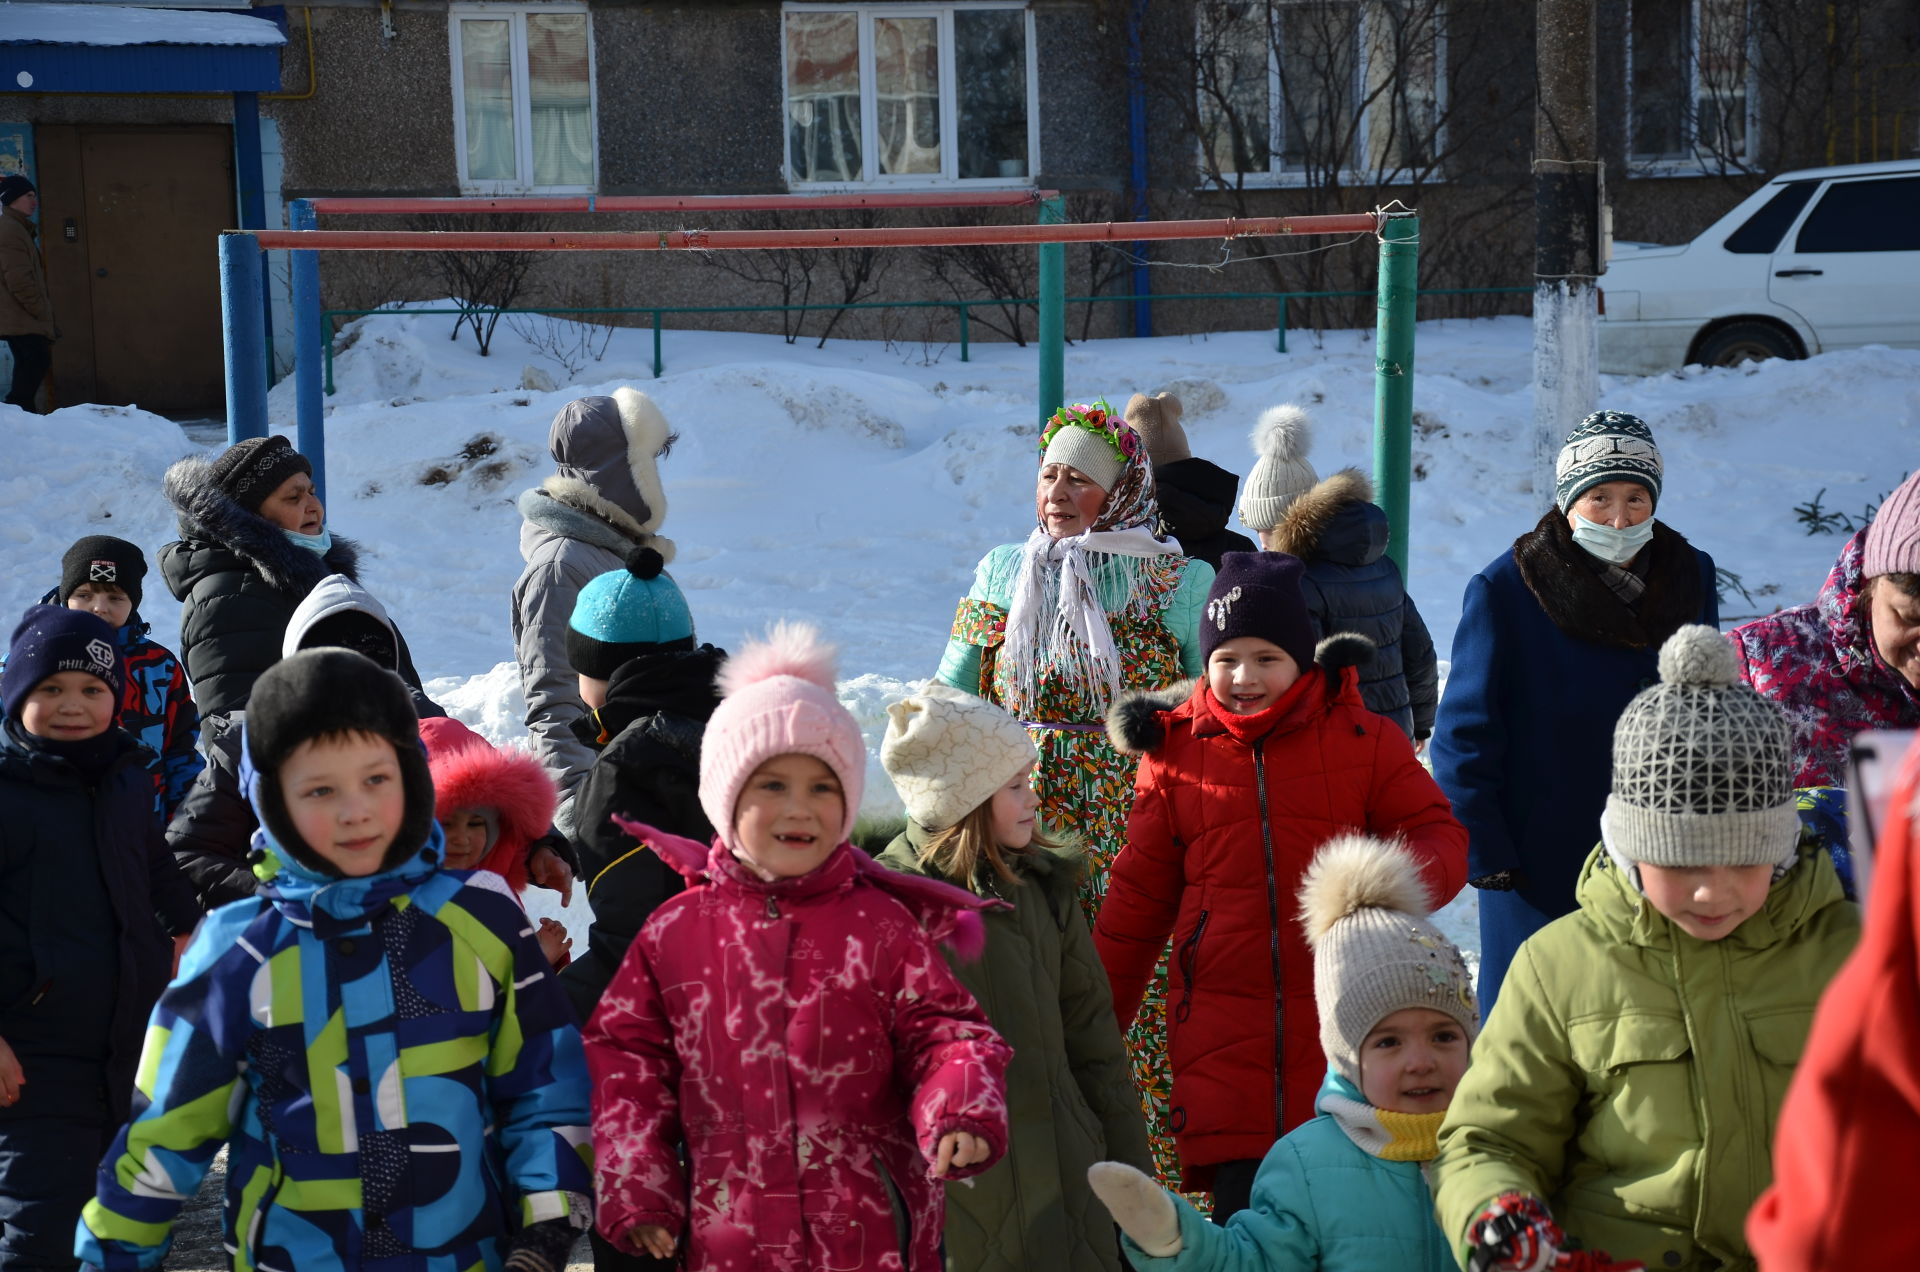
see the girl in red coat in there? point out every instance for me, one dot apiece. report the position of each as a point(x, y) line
point(492, 805)
point(1269, 755)
point(788, 1018)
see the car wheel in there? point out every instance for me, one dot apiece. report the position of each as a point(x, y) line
point(1742, 342)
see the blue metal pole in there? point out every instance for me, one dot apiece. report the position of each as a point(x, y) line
point(1137, 175)
point(249, 173)
point(310, 341)
point(244, 331)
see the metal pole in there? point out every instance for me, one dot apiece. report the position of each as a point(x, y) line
point(1393, 380)
point(657, 367)
point(309, 347)
point(250, 187)
point(244, 331)
point(1053, 314)
point(964, 311)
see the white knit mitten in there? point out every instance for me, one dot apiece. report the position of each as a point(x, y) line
point(1141, 1207)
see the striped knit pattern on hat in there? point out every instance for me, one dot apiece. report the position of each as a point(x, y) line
point(1281, 438)
point(948, 752)
point(778, 699)
point(1606, 446)
point(252, 469)
point(1893, 537)
point(1374, 950)
point(1702, 765)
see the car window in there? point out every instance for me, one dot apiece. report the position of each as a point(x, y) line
point(1864, 216)
point(1765, 228)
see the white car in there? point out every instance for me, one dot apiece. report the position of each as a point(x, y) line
point(1826, 258)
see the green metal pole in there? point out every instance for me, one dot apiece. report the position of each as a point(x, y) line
point(964, 311)
point(1053, 314)
point(657, 368)
point(1393, 380)
point(1280, 324)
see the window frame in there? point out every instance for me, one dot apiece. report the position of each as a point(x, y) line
point(871, 178)
point(516, 13)
point(1351, 173)
point(1696, 163)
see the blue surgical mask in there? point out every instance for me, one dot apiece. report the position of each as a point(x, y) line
point(1609, 543)
point(318, 544)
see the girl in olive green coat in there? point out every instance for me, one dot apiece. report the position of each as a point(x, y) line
point(963, 767)
point(1624, 1092)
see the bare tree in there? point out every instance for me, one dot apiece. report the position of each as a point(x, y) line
point(1007, 274)
point(856, 272)
point(482, 284)
point(1106, 263)
point(846, 275)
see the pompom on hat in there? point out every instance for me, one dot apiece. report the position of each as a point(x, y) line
point(1606, 446)
point(1281, 438)
point(948, 752)
point(1375, 951)
point(1702, 765)
point(777, 699)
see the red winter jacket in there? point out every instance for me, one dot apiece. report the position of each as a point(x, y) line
point(1849, 1133)
point(1227, 812)
point(469, 773)
point(808, 1043)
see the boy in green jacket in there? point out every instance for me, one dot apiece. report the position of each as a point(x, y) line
point(1624, 1092)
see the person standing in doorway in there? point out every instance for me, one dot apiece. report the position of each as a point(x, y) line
point(26, 308)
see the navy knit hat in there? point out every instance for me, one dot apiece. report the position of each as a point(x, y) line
point(51, 639)
point(101, 558)
point(251, 470)
point(627, 612)
point(1258, 594)
point(12, 186)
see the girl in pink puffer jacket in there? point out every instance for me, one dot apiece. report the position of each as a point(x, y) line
point(788, 1017)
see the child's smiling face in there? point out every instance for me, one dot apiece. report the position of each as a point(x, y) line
point(1706, 902)
point(1412, 1060)
point(466, 831)
point(69, 706)
point(346, 799)
point(787, 821)
point(1246, 675)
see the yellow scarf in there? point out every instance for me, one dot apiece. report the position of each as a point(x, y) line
point(1415, 1137)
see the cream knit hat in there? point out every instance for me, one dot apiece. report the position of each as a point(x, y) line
point(948, 752)
point(1702, 765)
point(1374, 950)
point(1079, 448)
point(1157, 420)
point(1281, 439)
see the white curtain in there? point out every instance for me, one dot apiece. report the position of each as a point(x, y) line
point(823, 96)
point(906, 83)
point(560, 90)
point(486, 81)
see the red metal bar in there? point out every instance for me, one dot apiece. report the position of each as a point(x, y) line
point(884, 236)
point(685, 203)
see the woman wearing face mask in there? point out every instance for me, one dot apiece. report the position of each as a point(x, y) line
point(253, 542)
point(1555, 638)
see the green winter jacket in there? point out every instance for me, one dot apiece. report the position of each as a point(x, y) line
point(1631, 1075)
point(1070, 1095)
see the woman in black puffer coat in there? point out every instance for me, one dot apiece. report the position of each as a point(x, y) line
point(253, 542)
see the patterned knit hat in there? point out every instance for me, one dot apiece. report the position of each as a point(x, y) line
point(1281, 439)
point(101, 558)
point(1258, 594)
point(1091, 438)
point(51, 639)
point(1374, 950)
point(1893, 536)
point(253, 469)
point(625, 613)
point(778, 700)
point(1606, 446)
point(1157, 420)
point(1702, 765)
point(948, 752)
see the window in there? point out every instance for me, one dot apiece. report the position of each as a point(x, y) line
point(523, 98)
point(1688, 68)
point(1291, 91)
point(1762, 231)
point(911, 96)
point(1863, 216)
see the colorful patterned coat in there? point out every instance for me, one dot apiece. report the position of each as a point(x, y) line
point(1818, 663)
point(157, 708)
point(393, 1067)
point(809, 1045)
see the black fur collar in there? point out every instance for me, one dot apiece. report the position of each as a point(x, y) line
point(210, 515)
point(1561, 576)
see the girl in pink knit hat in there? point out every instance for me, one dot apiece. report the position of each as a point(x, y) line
point(788, 1018)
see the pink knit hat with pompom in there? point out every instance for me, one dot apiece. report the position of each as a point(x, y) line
point(777, 699)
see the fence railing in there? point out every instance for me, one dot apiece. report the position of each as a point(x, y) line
point(960, 307)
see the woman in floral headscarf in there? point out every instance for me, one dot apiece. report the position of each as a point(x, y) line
point(1094, 603)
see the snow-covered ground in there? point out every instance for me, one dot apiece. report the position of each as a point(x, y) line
point(857, 485)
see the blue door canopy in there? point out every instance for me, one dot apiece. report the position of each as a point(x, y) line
point(115, 48)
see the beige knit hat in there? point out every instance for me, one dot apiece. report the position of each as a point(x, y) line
point(1157, 420)
point(1281, 439)
point(1374, 950)
point(1702, 765)
point(948, 752)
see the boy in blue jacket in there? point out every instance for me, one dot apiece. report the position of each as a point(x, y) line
point(380, 1043)
point(1347, 1191)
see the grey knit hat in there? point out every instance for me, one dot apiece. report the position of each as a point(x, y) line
point(1281, 438)
point(1374, 950)
point(1702, 765)
point(1606, 446)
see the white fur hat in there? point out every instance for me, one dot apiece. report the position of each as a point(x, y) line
point(1281, 439)
point(948, 752)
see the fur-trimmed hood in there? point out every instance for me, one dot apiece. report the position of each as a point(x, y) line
point(210, 518)
point(1337, 519)
point(1137, 724)
point(572, 509)
point(612, 447)
point(469, 772)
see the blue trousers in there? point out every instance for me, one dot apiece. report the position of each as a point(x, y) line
point(1506, 920)
point(48, 1168)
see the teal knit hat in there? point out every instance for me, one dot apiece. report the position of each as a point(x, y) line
point(627, 612)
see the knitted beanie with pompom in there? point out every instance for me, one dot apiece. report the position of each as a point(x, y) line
point(1281, 438)
point(777, 699)
point(619, 615)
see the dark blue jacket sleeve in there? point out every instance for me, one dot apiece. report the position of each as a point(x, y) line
point(1470, 735)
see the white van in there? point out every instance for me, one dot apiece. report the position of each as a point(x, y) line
point(1826, 258)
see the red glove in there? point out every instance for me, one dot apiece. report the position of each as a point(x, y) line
point(1516, 1234)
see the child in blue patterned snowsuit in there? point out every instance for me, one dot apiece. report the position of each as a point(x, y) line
point(379, 1042)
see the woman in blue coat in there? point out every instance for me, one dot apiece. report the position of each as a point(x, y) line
point(1556, 636)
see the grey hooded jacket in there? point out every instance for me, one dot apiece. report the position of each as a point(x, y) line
point(602, 502)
